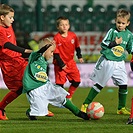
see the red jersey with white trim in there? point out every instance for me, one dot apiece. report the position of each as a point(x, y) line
point(11, 62)
point(66, 46)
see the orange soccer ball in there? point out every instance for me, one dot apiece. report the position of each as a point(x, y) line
point(95, 110)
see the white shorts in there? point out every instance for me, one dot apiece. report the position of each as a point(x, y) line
point(39, 98)
point(106, 69)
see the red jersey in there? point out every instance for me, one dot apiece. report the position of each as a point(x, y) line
point(66, 46)
point(11, 62)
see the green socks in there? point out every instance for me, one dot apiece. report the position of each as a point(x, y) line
point(92, 94)
point(122, 98)
point(69, 105)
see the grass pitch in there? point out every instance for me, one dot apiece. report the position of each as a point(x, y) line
point(64, 121)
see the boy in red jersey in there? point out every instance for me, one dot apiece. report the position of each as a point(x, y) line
point(11, 61)
point(64, 65)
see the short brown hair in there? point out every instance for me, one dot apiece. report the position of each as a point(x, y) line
point(5, 9)
point(124, 14)
point(59, 19)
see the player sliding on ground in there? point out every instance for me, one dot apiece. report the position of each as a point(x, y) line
point(39, 90)
point(111, 63)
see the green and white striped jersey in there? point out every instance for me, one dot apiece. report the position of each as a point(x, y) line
point(117, 53)
point(35, 73)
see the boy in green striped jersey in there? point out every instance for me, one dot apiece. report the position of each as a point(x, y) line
point(38, 88)
point(111, 63)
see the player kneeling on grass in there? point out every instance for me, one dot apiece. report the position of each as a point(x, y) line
point(39, 90)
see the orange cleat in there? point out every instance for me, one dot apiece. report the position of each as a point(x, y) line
point(3, 115)
point(50, 114)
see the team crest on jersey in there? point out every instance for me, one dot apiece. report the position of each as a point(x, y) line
point(41, 76)
point(118, 51)
point(72, 41)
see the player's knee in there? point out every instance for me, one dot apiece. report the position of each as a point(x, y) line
point(19, 92)
point(123, 89)
point(75, 84)
point(61, 85)
point(98, 86)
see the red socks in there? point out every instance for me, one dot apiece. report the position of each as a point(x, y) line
point(131, 115)
point(8, 99)
point(71, 91)
point(131, 59)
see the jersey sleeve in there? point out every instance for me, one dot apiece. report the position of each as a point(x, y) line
point(107, 39)
point(3, 38)
point(56, 51)
point(129, 47)
point(77, 44)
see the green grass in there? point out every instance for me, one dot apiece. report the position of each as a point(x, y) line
point(64, 121)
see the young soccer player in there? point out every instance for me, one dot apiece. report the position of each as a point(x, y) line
point(111, 63)
point(11, 62)
point(64, 65)
point(39, 90)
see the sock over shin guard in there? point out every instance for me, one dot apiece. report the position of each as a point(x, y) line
point(71, 91)
point(131, 115)
point(8, 99)
point(69, 105)
point(122, 96)
point(92, 94)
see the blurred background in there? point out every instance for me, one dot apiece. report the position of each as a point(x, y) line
point(89, 19)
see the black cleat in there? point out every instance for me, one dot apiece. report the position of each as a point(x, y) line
point(130, 121)
point(30, 117)
point(83, 115)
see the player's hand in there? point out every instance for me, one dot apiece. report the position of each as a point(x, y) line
point(64, 67)
point(27, 51)
point(118, 40)
point(81, 60)
point(53, 42)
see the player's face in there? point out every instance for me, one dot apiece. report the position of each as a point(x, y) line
point(121, 23)
point(7, 20)
point(64, 26)
point(49, 52)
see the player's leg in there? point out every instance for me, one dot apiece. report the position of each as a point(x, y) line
point(38, 103)
point(130, 119)
point(122, 100)
point(73, 76)
point(74, 85)
point(102, 73)
point(12, 95)
point(92, 94)
point(60, 76)
point(120, 78)
point(69, 105)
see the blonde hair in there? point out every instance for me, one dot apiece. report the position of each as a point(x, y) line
point(124, 14)
point(5, 9)
point(45, 42)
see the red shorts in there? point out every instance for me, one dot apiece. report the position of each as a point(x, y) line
point(71, 73)
point(13, 73)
